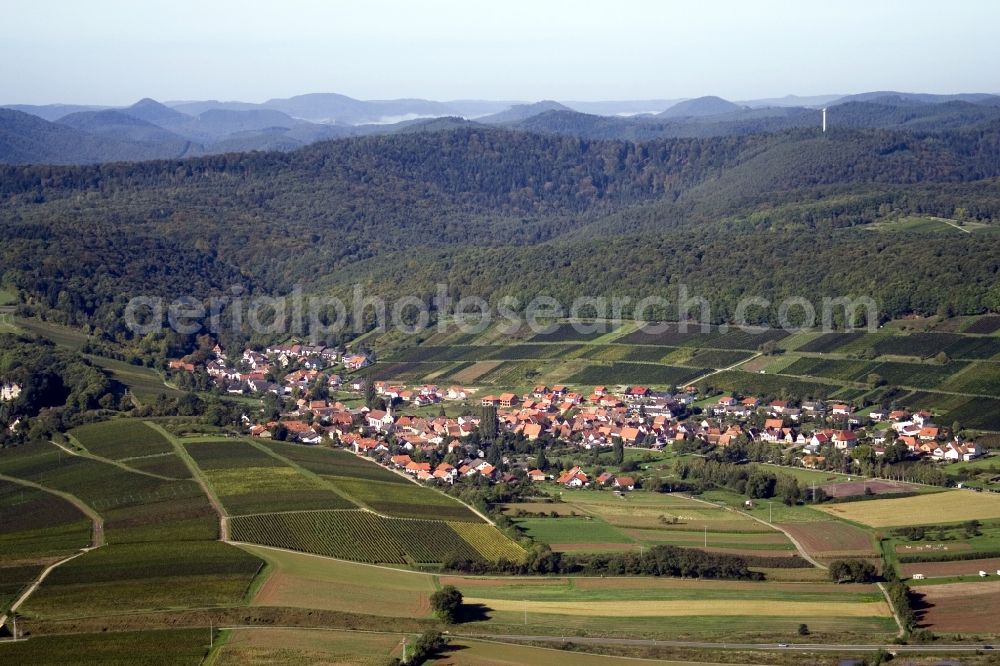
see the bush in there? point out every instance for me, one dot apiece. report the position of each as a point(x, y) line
point(852, 571)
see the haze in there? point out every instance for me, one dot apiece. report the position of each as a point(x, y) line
point(116, 51)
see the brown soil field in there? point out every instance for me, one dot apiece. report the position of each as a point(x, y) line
point(474, 372)
point(961, 607)
point(877, 486)
point(543, 507)
point(953, 568)
point(831, 539)
point(917, 548)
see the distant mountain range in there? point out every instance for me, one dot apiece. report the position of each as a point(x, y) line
point(71, 134)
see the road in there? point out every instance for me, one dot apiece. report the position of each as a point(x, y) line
point(708, 645)
point(96, 538)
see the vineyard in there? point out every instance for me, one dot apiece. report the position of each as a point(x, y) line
point(367, 537)
point(694, 337)
point(569, 332)
point(120, 439)
point(984, 325)
point(404, 500)
point(635, 373)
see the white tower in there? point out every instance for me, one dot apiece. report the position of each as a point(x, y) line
point(824, 119)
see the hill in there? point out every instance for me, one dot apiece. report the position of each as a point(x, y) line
point(26, 139)
point(422, 207)
point(125, 126)
point(700, 107)
point(522, 112)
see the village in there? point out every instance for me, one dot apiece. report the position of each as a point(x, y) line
point(398, 425)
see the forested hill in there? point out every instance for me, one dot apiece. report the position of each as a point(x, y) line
point(411, 209)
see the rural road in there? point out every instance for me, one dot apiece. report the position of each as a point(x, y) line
point(800, 647)
point(96, 538)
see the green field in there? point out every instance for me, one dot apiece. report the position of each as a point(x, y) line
point(166, 647)
point(123, 438)
point(35, 524)
point(367, 537)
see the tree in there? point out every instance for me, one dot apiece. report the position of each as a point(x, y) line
point(618, 452)
point(447, 603)
point(541, 461)
point(803, 629)
point(370, 395)
point(488, 425)
point(852, 571)
point(429, 644)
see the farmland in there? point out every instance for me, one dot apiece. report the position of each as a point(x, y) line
point(932, 508)
point(122, 438)
point(604, 522)
point(960, 607)
point(695, 608)
point(34, 523)
point(307, 581)
point(635, 373)
point(165, 647)
point(368, 537)
point(831, 539)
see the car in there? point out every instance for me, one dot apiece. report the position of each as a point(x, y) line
point(782, 644)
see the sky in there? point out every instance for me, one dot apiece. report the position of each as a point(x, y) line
point(115, 52)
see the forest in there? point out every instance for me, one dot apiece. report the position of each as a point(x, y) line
point(505, 213)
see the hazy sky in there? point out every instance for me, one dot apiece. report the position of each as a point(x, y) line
point(117, 51)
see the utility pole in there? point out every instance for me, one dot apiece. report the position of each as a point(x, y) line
point(526, 612)
point(13, 619)
point(770, 511)
point(706, 536)
point(211, 634)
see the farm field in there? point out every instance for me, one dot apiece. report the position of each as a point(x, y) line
point(366, 537)
point(248, 480)
point(166, 647)
point(634, 373)
point(957, 505)
point(947, 569)
point(832, 539)
point(121, 438)
point(306, 581)
point(605, 522)
point(145, 576)
point(135, 507)
point(36, 524)
point(960, 607)
point(292, 647)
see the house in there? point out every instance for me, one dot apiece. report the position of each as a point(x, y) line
point(9, 391)
point(356, 362)
point(600, 390)
point(573, 478)
point(845, 439)
point(605, 478)
point(181, 366)
point(536, 475)
point(490, 401)
point(727, 401)
point(507, 399)
point(928, 433)
point(379, 420)
point(624, 483)
point(456, 393)
point(532, 431)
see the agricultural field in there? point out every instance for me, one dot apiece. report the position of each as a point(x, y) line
point(36, 524)
point(145, 576)
point(831, 539)
point(404, 500)
point(121, 438)
point(984, 325)
point(135, 507)
point(951, 568)
point(671, 336)
point(248, 480)
point(932, 508)
point(641, 606)
point(367, 537)
point(293, 647)
point(960, 607)
point(144, 383)
point(604, 522)
point(166, 647)
point(635, 373)
point(767, 385)
point(580, 332)
point(300, 580)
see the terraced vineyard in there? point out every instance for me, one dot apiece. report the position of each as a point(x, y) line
point(366, 537)
point(120, 439)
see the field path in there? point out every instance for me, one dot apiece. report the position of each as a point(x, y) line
point(196, 473)
point(93, 456)
point(96, 538)
point(798, 546)
point(97, 532)
point(715, 372)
